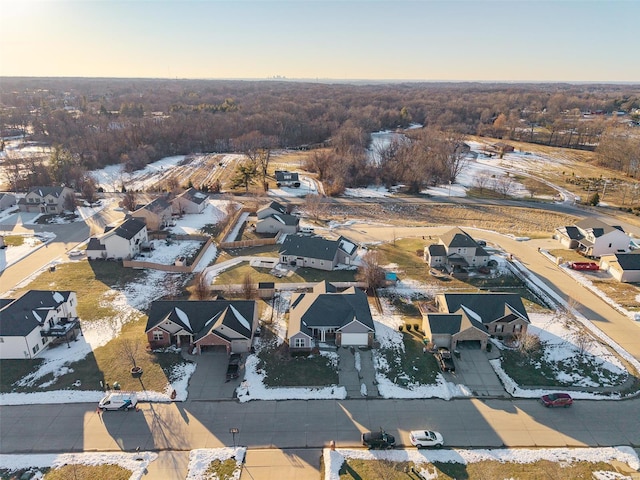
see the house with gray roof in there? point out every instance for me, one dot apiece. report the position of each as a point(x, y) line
point(500, 314)
point(285, 178)
point(273, 208)
point(317, 252)
point(49, 200)
point(155, 214)
point(593, 238)
point(278, 223)
point(624, 267)
point(7, 200)
point(455, 251)
point(326, 315)
point(203, 325)
point(447, 330)
point(37, 319)
point(123, 241)
point(189, 201)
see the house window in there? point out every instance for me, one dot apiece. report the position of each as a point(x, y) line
point(35, 348)
point(609, 245)
point(499, 328)
point(517, 328)
point(44, 340)
point(158, 336)
point(1, 340)
point(299, 343)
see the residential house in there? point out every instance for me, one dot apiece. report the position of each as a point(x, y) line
point(124, 241)
point(448, 330)
point(7, 200)
point(37, 319)
point(274, 208)
point(501, 314)
point(203, 325)
point(456, 251)
point(287, 179)
point(156, 214)
point(624, 267)
point(189, 201)
point(46, 200)
point(593, 238)
point(317, 252)
point(326, 315)
point(278, 223)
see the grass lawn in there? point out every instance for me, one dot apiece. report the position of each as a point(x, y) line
point(283, 370)
point(236, 275)
point(624, 294)
point(354, 469)
point(13, 240)
point(13, 370)
point(412, 366)
point(222, 469)
point(568, 255)
point(88, 472)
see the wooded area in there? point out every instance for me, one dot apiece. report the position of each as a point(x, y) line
point(97, 122)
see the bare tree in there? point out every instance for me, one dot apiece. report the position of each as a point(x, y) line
point(315, 206)
point(370, 271)
point(248, 288)
point(202, 286)
point(130, 200)
point(482, 180)
point(129, 348)
point(504, 185)
point(583, 340)
point(528, 343)
point(69, 202)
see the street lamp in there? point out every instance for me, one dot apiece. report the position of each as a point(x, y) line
point(233, 432)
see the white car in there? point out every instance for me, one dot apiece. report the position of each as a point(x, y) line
point(426, 438)
point(75, 253)
point(118, 401)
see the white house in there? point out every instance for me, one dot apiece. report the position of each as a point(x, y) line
point(7, 200)
point(594, 238)
point(624, 267)
point(274, 208)
point(317, 252)
point(37, 319)
point(278, 223)
point(456, 249)
point(124, 241)
point(285, 178)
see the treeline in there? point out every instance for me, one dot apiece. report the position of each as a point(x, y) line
point(133, 122)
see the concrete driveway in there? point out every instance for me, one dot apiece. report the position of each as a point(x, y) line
point(208, 382)
point(475, 372)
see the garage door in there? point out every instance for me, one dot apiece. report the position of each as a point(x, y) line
point(355, 339)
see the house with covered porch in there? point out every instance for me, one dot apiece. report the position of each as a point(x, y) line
point(326, 315)
point(203, 325)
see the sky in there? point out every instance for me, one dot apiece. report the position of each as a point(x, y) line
point(485, 40)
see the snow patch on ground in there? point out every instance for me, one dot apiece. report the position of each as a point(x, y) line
point(200, 459)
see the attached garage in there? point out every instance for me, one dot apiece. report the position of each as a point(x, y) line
point(355, 339)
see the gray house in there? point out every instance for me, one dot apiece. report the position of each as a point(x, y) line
point(285, 178)
point(189, 201)
point(449, 329)
point(7, 200)
point(274, 208)
point(455, 251)
point(501, 314)
point(47, 200)
point(317, 252)
point(324, 315)
point(278, 222)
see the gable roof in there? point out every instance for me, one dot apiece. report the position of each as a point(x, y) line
point(130, 228)
point(282, 218)
point(286, 176)
point(489, 306)
point(628, 261)
point(597, 227)
point(94, 244)
point(437, 250)
point(275, 206)
point(157, 205)
point(194, 196)
point(19, 317)
point(310, 247)
point(200, 317)
point(452, 323)
point(457, 238)
point(329, 310)
point(44, 191)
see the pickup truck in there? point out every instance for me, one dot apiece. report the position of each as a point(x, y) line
point(584, 266)
point(445, 361)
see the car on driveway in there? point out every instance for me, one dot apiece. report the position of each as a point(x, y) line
point(232, 371)
point(426, 438)
point(557, 400)
point(379, 439)
point(75, 253)
point(234, 359)
point(443, 356)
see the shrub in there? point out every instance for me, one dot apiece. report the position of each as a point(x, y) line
point(408, 327)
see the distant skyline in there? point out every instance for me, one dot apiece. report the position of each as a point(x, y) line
point(454, 40)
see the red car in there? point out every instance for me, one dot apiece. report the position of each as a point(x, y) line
point(584, 266)
point(557, 400)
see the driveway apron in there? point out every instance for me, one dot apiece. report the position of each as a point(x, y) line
point(475, 372)
point(208, 382)
point(351, 378)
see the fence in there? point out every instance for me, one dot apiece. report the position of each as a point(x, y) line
point(258, 242)
point(173, 268)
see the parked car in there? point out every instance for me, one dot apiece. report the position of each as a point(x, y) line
point(232, 371)
point(75, 253)
point(118, 401)
point(557, 400)
point(379, 439)
point(443, 356)
point(235, 358)
point(426, 438)
point(584, 266)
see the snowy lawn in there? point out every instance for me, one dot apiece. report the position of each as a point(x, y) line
point(136, 463)
point(216, 463)
point(499, 463)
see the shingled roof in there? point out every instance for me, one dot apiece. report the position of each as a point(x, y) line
point(489, 306)
point(19, 317)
